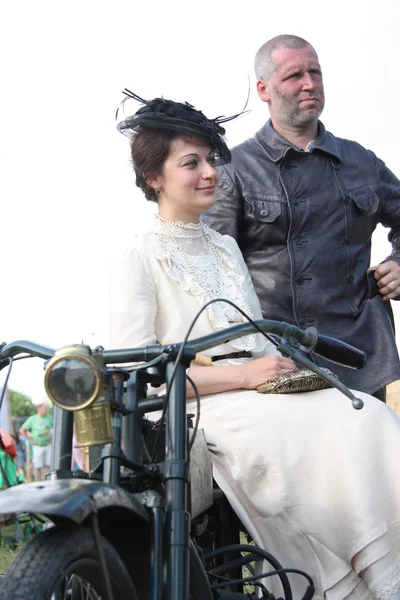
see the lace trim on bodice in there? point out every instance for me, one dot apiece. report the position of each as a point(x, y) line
point(202, 261)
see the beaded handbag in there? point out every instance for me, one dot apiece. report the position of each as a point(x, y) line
point(302, 380)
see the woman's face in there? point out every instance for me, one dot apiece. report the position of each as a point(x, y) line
point(188, 181)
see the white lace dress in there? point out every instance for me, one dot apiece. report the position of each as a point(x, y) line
point(315, 482)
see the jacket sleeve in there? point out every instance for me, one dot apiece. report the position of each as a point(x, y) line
point(389, 195)
point(131, 300)
point(227, 213)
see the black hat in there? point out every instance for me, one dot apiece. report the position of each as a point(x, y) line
point(178, 116)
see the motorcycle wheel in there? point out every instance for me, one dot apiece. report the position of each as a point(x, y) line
point(61, 563)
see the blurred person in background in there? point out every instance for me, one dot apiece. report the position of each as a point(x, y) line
point(38, 430)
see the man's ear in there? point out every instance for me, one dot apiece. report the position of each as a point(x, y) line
point(263, 90)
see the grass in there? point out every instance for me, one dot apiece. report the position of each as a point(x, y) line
point(12, 538)
point(6, 558)
point(7, 554)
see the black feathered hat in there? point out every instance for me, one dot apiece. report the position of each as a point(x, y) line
point(178, 116)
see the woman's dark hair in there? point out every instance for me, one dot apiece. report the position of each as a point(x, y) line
point(150, 148)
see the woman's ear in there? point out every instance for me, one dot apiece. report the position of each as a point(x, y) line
point(155, 182)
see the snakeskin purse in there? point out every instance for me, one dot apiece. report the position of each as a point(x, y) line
point(302, 380)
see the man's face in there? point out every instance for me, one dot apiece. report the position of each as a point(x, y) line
point(41, 410)
point(295, 91)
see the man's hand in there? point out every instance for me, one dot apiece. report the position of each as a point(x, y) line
point(387, 276)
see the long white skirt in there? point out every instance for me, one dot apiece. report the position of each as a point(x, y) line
point(316, 483)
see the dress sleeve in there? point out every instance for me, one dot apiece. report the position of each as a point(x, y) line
point(131, 300)
point(264, 346)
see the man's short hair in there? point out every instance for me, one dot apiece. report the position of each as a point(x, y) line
point(264, 65)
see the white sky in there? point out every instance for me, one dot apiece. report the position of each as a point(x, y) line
point(66, 189)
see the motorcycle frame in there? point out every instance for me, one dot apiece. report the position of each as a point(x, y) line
point(174, 560)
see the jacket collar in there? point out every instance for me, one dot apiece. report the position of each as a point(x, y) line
point(276, 146)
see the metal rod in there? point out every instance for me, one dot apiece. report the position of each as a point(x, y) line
point(101, 557)
point(157, 518)
point(112, 455)
point(61, 450)
point(177, 521)
point(132, 423)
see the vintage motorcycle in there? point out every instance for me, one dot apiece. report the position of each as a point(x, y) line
point(146, 522)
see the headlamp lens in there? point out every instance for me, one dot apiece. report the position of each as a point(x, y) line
point(72, 383)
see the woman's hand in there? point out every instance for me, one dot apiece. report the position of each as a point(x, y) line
point(223, 378)
point(260, 370)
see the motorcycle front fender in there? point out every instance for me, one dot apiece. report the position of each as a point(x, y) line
point(73, 499)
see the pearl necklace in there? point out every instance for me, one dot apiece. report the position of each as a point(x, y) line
point(168, 227)
point(180, 224)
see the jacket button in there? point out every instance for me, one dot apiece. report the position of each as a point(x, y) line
point(300, 280)
point(346, 199)
point(263, 212)
point(350, 278)
point(306, 321)
point(348, 240)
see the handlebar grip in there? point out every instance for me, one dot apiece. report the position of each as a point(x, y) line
point(4, 363)
point(152, 404)
point(339, 352)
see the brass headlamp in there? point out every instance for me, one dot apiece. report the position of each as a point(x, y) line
point(73, 378)
point(74, 381)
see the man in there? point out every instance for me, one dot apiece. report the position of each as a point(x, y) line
point(303, 205)
point(38, 429)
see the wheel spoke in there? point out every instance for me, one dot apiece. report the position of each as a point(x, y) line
point(74, 587)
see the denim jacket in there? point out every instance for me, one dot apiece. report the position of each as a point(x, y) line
point(304, 221)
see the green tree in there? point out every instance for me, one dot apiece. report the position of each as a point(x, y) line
point(21, 405)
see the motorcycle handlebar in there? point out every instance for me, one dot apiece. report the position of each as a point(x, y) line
point(339, 352)
point(330, 348)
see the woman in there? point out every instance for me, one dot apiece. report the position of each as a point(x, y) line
point(314, 481)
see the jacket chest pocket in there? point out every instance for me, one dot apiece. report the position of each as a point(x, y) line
point(363, 204)
point(265, 208)
point(366, 201)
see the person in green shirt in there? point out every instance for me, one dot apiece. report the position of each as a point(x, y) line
point(38, 429)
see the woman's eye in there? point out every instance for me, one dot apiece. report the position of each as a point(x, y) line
point(191, 163)
point(213, 161)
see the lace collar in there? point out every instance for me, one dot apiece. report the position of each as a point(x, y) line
point(203, 262)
